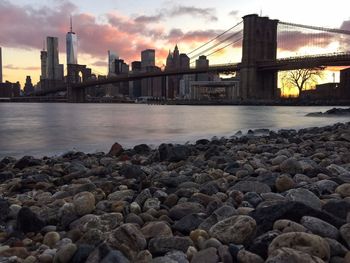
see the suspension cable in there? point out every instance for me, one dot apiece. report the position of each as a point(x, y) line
point(331, 30)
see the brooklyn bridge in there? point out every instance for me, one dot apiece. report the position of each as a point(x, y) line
point(260, 38)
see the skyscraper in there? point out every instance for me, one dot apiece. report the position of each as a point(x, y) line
point(53, 69)
point(71, 46)
point(0, 66)
point(112, 57)
point(43, 60)
point(148, 58)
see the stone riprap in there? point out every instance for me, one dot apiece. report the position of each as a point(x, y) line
point(261, 197)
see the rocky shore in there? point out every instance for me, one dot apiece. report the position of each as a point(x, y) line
point(278, 197)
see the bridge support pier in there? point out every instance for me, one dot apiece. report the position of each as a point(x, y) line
point(259, 45)
point(75, 95)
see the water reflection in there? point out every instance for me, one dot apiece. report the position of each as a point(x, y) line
point(48, 129)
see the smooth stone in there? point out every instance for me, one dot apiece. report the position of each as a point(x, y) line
point(65, 254)
point(343, 190)
point(51, 238)
point(319, 227)
point(289, 255)
point(162, 245)
point(178, 256)
point(245, 256)
point(278, 159)
point(266, 216)
point(284, 183)
point(84, 203)
point(308, 243)
point(286, 226)
point(156, 229)
point(338, 208)
point(173, 153)
point(304, 196)
point(345, 233)
point(291, 166)
point(261, 244)
point(20, 252)
point(188, 223)
point(82, 253)
point(337, 249)
point(326, 186)
point(236, 229)
point(182, 209)
point(208, 255)
point(151, 203)
point(120, 195)
point(129, 239)
point(251, 186)
point(28, 221)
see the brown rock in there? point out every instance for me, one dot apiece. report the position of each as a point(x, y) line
point(284, 183)
point(116, 149)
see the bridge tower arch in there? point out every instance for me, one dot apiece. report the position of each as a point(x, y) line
point(259, 45)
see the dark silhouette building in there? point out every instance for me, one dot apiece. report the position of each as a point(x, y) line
point(10, 90)
point(135, 86)
point(344, 85)
point(28, 86)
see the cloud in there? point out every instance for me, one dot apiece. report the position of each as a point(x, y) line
point(206, 13)
point(100, 63)
point(12, 67)
point(294, 40)
point(233, 13)
point(149, 19)
point(177, 35)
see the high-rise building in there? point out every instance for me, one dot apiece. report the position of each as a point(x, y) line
point(28, 86)
point(0, 66)
point(135, 85)
point(112, 56)
point(53, 68)
point(71, 46)
point(43, 60)
point(202, 62)
point(148, 58)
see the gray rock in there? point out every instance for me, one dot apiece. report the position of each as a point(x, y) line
point(304, 196)
point(162, 245)
point(208, 255)
point(182, 209)
point(291, 166)
point(319, 227)
point(336, 248)
point(289, 255)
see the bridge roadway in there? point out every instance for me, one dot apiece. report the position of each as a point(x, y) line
point(334, 59)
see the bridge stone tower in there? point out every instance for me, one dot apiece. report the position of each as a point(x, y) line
point(259, 45)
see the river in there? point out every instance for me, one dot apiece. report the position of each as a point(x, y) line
point(41, 129)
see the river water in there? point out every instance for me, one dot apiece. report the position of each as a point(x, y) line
point(54, 128)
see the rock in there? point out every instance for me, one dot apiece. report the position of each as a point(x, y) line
point(261, 244)
point(173, 153)
point(51, 238)
point(162, 245)
point(208, 255)
point(338, 208)
point(151, 203)
point(65, 254)
point(326, 186)
point(143, 196)
point(182, 209)
point(286, 226)
point(291, 166)
point(142, 149)
point(288, 255)
point(82, 253)
point(235, 229)
point(343, 190)
point(266, 216)
point(224, 254)
point(27, 221)
point(304, 196)
point(127, 238)
point(19, 252)
point(132, 172)
point(308, 243)
point(116, 149)
point(319, 227)
point(336, 248)
point(26, 161)
point(345, 233)
point(156, 229)
point(188, 223)
point(251, 186)
point(5, 176)
point(245, 256)
point(284, 183)
point(84, 203)
point(5, 209)
point(178, 256)
point(278, 159)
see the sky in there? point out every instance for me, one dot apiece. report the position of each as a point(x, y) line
point(130, 26)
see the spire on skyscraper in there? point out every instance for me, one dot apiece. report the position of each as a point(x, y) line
point(71, 24)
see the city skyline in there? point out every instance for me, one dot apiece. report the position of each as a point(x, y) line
point(128, 30)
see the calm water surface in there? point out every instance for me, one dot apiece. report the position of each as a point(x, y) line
point(51, 129)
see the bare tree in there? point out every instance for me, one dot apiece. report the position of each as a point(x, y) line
point(301, 78)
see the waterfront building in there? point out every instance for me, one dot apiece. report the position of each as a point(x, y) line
point(112, 56)
point(0, 66)
point(43, 62)
point(174, 61)
point(10, 90)
point(202, 62)
point(71, 46)
point(53, 68)
point(28, 86)
point(135, 85)
point(344, 86)
point(148, 58)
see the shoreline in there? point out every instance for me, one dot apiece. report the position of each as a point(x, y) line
point(253, 197)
